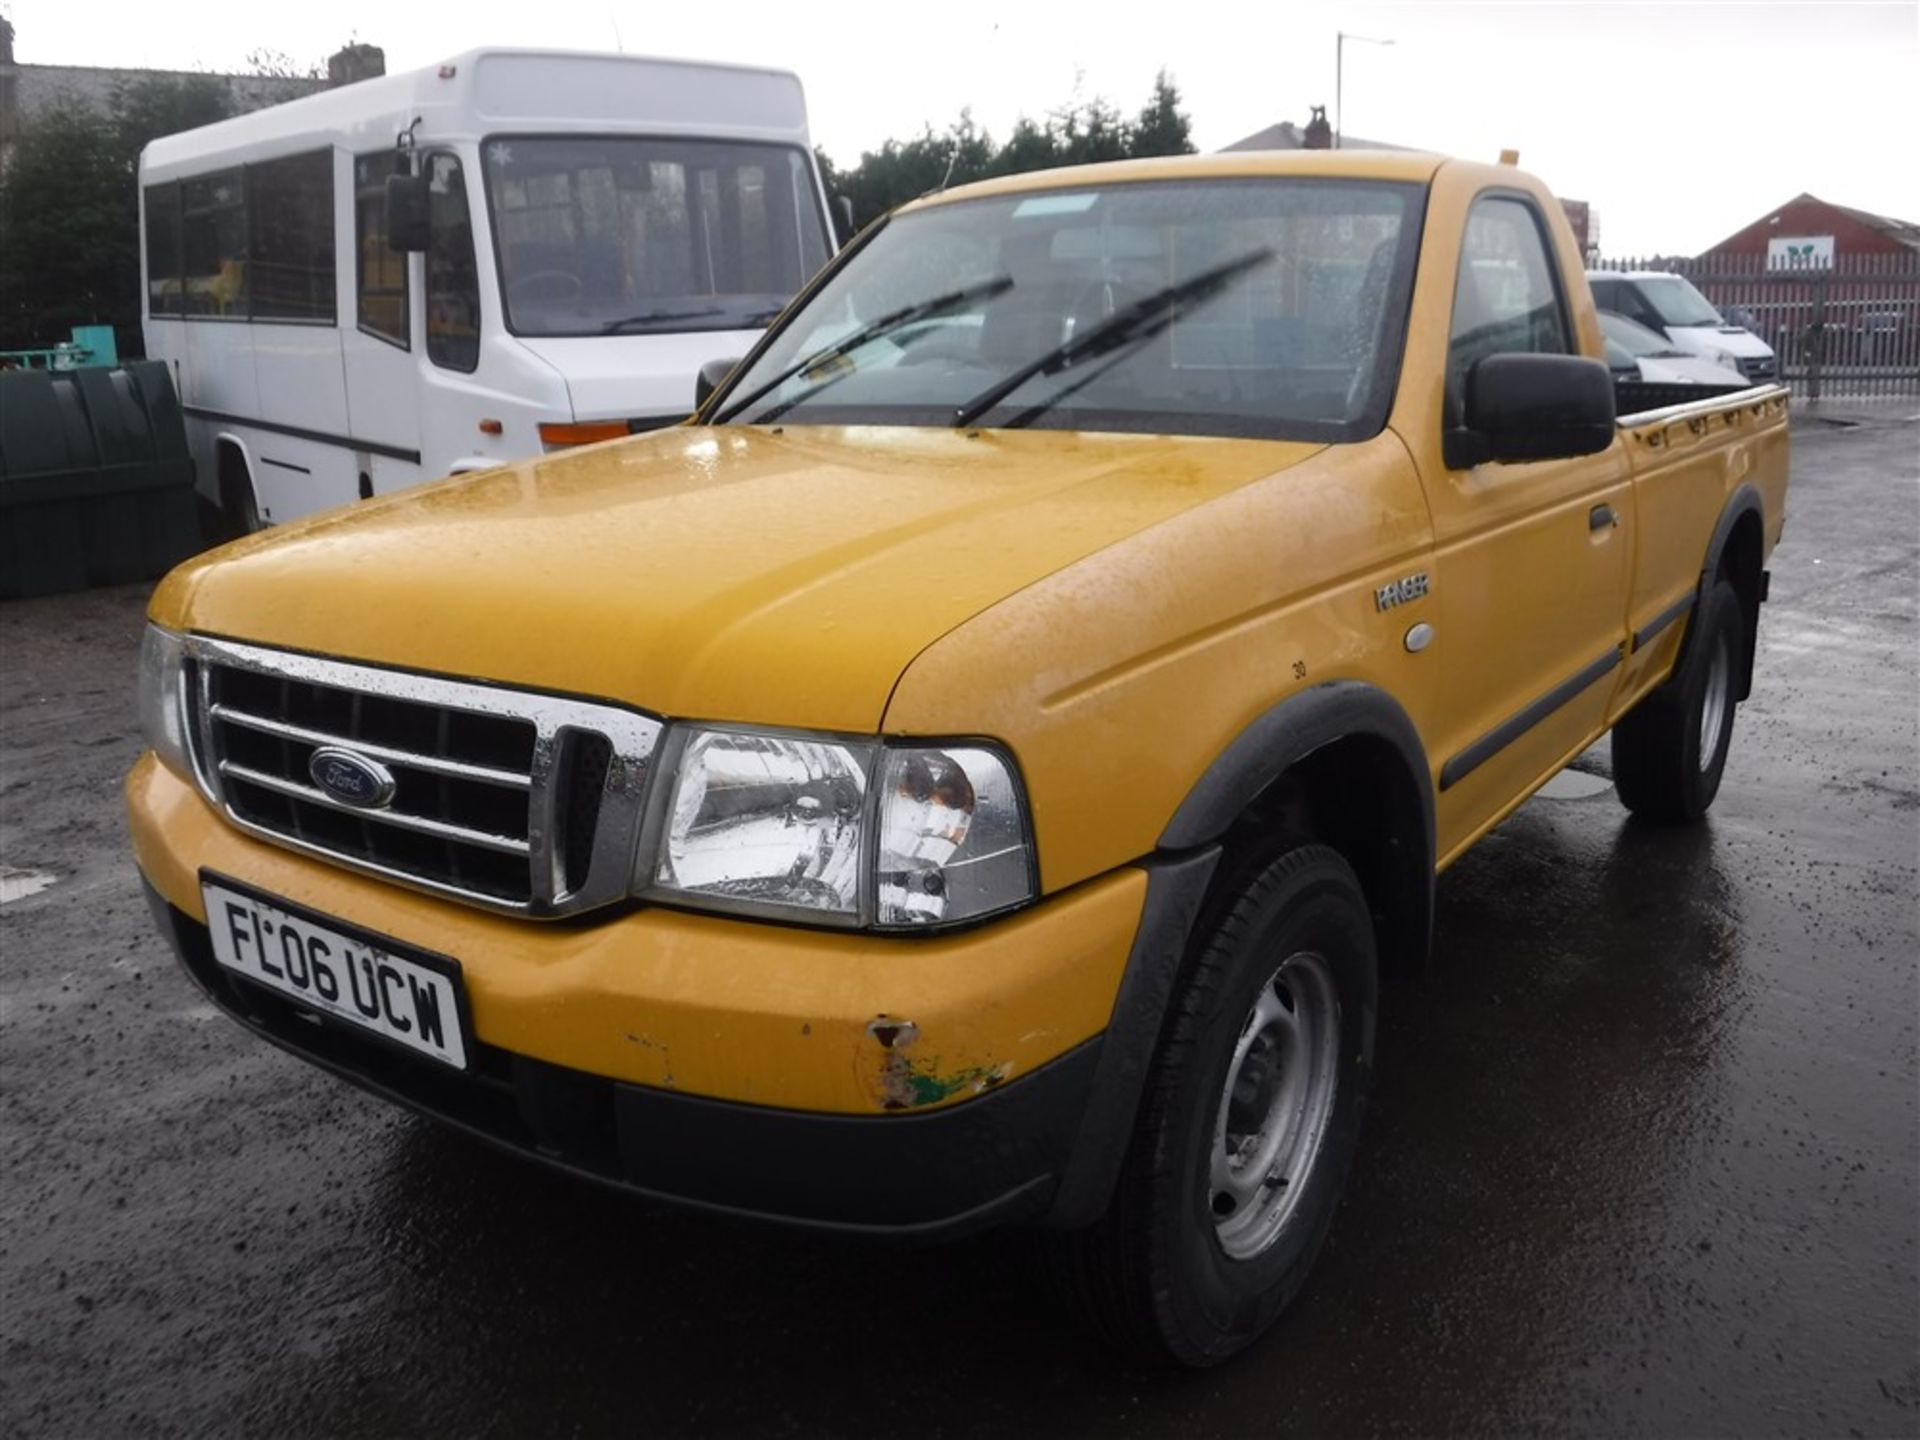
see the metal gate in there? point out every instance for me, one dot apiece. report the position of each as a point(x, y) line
point(1851, 331)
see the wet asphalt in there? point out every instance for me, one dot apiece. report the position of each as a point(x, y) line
point(1644, 1152)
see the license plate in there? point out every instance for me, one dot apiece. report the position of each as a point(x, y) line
point(406, 996)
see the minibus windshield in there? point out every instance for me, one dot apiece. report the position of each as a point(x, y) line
point(641, 235)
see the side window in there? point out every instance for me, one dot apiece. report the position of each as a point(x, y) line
point(163, 249)
point(1606, 294)
point(380, 290)
point(290, 210)
point(213, 244)
point(1506, 298)
point(453, 279)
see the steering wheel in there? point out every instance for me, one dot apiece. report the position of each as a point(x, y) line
point(545, 285)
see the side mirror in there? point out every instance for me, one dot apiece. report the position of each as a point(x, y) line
point(712, 376)
point(407, 212)
point(843, 212)
point(1533, 407)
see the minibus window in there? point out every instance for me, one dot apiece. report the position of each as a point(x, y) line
point(381, 291)
point(213, 238)
point(163, 249)
point(290, 210)
point(453, 279)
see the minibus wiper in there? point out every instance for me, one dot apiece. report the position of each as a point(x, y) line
point(658, 317)
point(884, 325)
point(1139, 321)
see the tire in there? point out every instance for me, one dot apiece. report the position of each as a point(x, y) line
point(1174, 1272)
point(1670, 750)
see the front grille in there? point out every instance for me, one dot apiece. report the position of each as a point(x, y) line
point(505, 798)
point(1759, 367)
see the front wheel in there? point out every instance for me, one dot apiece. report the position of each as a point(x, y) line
point(1671, 749)
point(1248, 1126)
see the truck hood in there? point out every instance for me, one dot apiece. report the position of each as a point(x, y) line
point(1688, 370)
point(780, 577)
point(636, 377)
point(1719, 340)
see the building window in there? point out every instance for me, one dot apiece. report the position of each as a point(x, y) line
point(290, 220)
point(382, 295)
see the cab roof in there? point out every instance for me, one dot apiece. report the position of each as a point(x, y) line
point(1401, 165)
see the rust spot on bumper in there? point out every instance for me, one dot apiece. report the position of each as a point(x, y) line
point(907, 1082)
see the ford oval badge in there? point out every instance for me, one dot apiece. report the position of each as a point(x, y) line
point(351, 779)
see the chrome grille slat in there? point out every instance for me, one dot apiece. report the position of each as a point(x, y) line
point(465, 822)
point(505, 844)
point(486, 775)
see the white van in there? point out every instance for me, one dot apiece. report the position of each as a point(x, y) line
point(1669, 304)
point(590, 229)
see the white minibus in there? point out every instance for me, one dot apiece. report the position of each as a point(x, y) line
point(584, 232)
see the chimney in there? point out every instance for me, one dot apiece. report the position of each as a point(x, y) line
point(355, 62)
point(1319, 132)
point(6, 41)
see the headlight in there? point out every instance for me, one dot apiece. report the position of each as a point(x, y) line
point(765, 821)
point(953, 837)
point(163, 699)
point(839, 831)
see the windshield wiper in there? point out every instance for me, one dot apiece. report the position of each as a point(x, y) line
point(1140, 320)
point(659, 317)
point(866, 334)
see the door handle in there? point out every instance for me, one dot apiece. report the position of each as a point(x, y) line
point(1600, 517)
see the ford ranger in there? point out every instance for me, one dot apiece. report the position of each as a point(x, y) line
point(979, 768)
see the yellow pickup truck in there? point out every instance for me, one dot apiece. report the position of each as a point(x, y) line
point(977, 770)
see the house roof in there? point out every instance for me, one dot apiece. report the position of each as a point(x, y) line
point(1903, 232)
point(1288, 136)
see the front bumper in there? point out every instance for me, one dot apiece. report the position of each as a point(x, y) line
point(935, 1175)
point(719, 1062)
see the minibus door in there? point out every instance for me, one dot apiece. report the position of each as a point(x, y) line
point(379, 345)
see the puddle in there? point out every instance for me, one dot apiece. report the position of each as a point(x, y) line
point(18, 884)
point(1574, 785)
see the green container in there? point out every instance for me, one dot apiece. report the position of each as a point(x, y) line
point(96, 485)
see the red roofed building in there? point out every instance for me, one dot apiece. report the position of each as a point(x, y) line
point(1854, 232)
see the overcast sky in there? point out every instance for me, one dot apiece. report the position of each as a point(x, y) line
point(1680, 122)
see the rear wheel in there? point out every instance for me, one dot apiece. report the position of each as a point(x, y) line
point(1670, 751)
point(1247, 1128)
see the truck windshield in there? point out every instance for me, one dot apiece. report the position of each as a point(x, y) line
point(1676, 301)
point(1254, 307)
point(637, 235)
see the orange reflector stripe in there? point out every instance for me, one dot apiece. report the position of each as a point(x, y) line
point(585, 433)
point(491, 427)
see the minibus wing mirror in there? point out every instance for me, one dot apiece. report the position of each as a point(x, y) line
point(407, 212)
point(710, 378)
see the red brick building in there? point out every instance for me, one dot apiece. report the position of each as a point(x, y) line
point(1854, 232)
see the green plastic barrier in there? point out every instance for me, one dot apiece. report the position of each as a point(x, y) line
point(96, 485)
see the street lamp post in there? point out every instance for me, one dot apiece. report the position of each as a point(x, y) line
point(1340, 38)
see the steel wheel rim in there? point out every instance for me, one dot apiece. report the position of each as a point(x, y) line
point(1713, 708)
point(1275, 1107)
